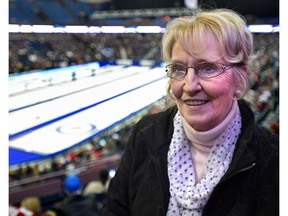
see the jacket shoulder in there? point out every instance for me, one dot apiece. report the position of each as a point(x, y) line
point(266, 142)
point(162, 118)
point(262, 139)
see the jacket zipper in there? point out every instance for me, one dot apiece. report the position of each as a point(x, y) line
point(239, 171)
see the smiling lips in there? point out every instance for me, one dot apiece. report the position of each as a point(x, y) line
point(195, 102)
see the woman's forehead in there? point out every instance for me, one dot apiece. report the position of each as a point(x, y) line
point(200, 49)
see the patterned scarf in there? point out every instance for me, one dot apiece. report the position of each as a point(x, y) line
point(187, 197)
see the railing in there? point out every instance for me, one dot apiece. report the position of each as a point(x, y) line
point(50, 184)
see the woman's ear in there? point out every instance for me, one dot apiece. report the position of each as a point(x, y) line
point(240, 75)
point(244, 68)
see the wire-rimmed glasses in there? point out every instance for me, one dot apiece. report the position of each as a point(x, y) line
point(205, 70)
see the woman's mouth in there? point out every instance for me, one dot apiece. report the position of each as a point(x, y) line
point(195, 102)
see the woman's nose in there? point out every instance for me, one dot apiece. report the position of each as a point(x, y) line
point(192, 81)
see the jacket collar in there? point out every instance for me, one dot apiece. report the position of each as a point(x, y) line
point(243, 155)
point(158, 134)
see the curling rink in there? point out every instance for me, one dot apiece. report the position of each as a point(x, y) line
point(47, 120)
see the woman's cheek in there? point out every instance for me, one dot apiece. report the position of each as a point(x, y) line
point(221, 86)
point(177, 89)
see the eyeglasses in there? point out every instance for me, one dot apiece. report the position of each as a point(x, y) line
point(203, 70)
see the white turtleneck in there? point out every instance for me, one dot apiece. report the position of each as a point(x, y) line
point(202, 142)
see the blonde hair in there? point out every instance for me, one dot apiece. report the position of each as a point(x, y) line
point(226, 27)
point(31, 203)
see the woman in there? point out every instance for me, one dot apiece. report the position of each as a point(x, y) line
point(206, 155)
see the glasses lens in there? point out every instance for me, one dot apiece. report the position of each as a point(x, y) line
point(208, 70)
point(176, 71)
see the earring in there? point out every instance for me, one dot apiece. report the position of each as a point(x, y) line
point(238, 94)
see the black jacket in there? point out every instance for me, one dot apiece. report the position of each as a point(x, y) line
point(80, 205)
point(249, 188)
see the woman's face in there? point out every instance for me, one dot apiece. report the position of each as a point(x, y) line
point(203, 103)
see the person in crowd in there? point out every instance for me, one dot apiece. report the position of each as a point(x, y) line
point(205, 155)
point(29, 206)
point(99, 186)
point(75, 204)
point(98, 189)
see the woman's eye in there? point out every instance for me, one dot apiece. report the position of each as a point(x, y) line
point(208, 68)
point(179, 68)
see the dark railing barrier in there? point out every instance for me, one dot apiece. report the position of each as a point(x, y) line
point(49, 186)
